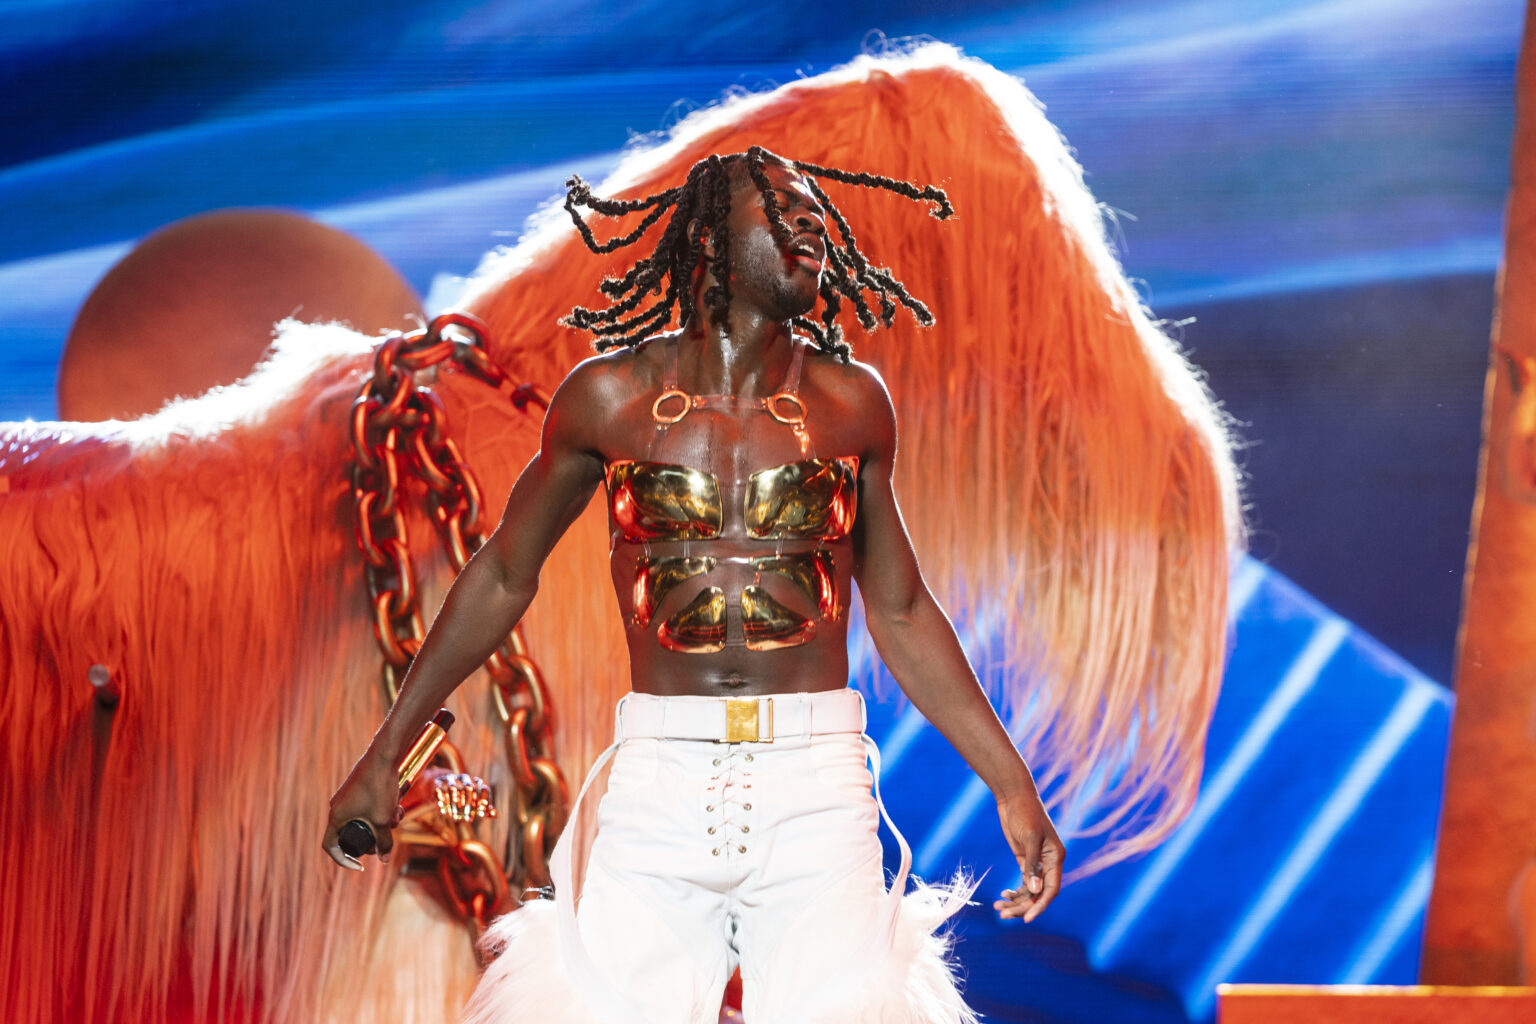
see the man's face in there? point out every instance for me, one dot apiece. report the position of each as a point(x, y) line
point(783, 283)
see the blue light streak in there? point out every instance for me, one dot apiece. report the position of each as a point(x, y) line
point(1326, 639)
point(1341, 805)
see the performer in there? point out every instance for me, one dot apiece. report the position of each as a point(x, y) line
point(748, 470)
point(1067, 478)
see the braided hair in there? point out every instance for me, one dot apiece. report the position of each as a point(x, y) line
point(702, 204)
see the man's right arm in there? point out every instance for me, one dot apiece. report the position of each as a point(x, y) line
point(487, 599)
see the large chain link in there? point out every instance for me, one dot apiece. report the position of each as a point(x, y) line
point(399, 429)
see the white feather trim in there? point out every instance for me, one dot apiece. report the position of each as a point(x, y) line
point(916, 984)
point(527, 982)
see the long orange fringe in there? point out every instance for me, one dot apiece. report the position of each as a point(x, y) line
point(1063, 472)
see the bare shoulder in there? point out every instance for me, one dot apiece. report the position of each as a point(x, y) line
point(595, 380)
point(856, 383)
point(578, 401)
point(858, 400)
point(604, 396)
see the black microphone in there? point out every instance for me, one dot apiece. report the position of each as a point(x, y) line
point(356, 837)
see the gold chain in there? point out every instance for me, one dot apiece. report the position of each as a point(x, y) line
point(398, 425)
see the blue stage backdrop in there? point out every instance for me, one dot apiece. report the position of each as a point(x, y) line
point(1319, 185)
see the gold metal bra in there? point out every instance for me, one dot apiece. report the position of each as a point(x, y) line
point(662, 501)
point(812, 499)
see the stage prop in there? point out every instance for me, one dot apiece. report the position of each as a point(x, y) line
point(1375, 1004)
point(1482, 913)
point(1063, 470)
point(193, 307)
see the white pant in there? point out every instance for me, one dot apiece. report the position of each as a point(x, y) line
point(713, 855)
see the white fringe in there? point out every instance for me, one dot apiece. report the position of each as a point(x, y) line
point(527, 982)
point(916, 984)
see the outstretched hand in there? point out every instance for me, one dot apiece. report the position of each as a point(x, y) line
point(1034, 841)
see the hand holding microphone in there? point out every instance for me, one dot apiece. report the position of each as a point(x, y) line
point(356, 837)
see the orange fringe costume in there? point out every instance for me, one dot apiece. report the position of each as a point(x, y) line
point(162, 862)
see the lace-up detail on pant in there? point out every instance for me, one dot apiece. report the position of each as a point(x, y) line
point(728, 802)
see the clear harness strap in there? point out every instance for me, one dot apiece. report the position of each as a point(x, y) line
point(784, 405)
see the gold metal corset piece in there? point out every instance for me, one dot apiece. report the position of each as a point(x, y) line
point(767, 623)
point(770, 625)
point(662, 501)
point(655, 578)
point(812, 571)
point(810, 499)
point(699, 628)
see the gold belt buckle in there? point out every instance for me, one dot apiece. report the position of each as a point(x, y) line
point(742, 723)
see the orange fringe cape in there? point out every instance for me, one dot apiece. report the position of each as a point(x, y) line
point(1066, 479)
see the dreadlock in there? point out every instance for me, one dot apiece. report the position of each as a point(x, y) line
point(702, 204)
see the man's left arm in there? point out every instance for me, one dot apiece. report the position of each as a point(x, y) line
point(918, 644)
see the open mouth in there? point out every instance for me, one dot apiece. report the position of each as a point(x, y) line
point(807, 254)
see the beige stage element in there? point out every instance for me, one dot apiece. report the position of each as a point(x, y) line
point(1374, 1004)
point(1483, 903)
point(196, 304)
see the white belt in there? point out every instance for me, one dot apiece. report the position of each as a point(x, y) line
point(740, 719)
